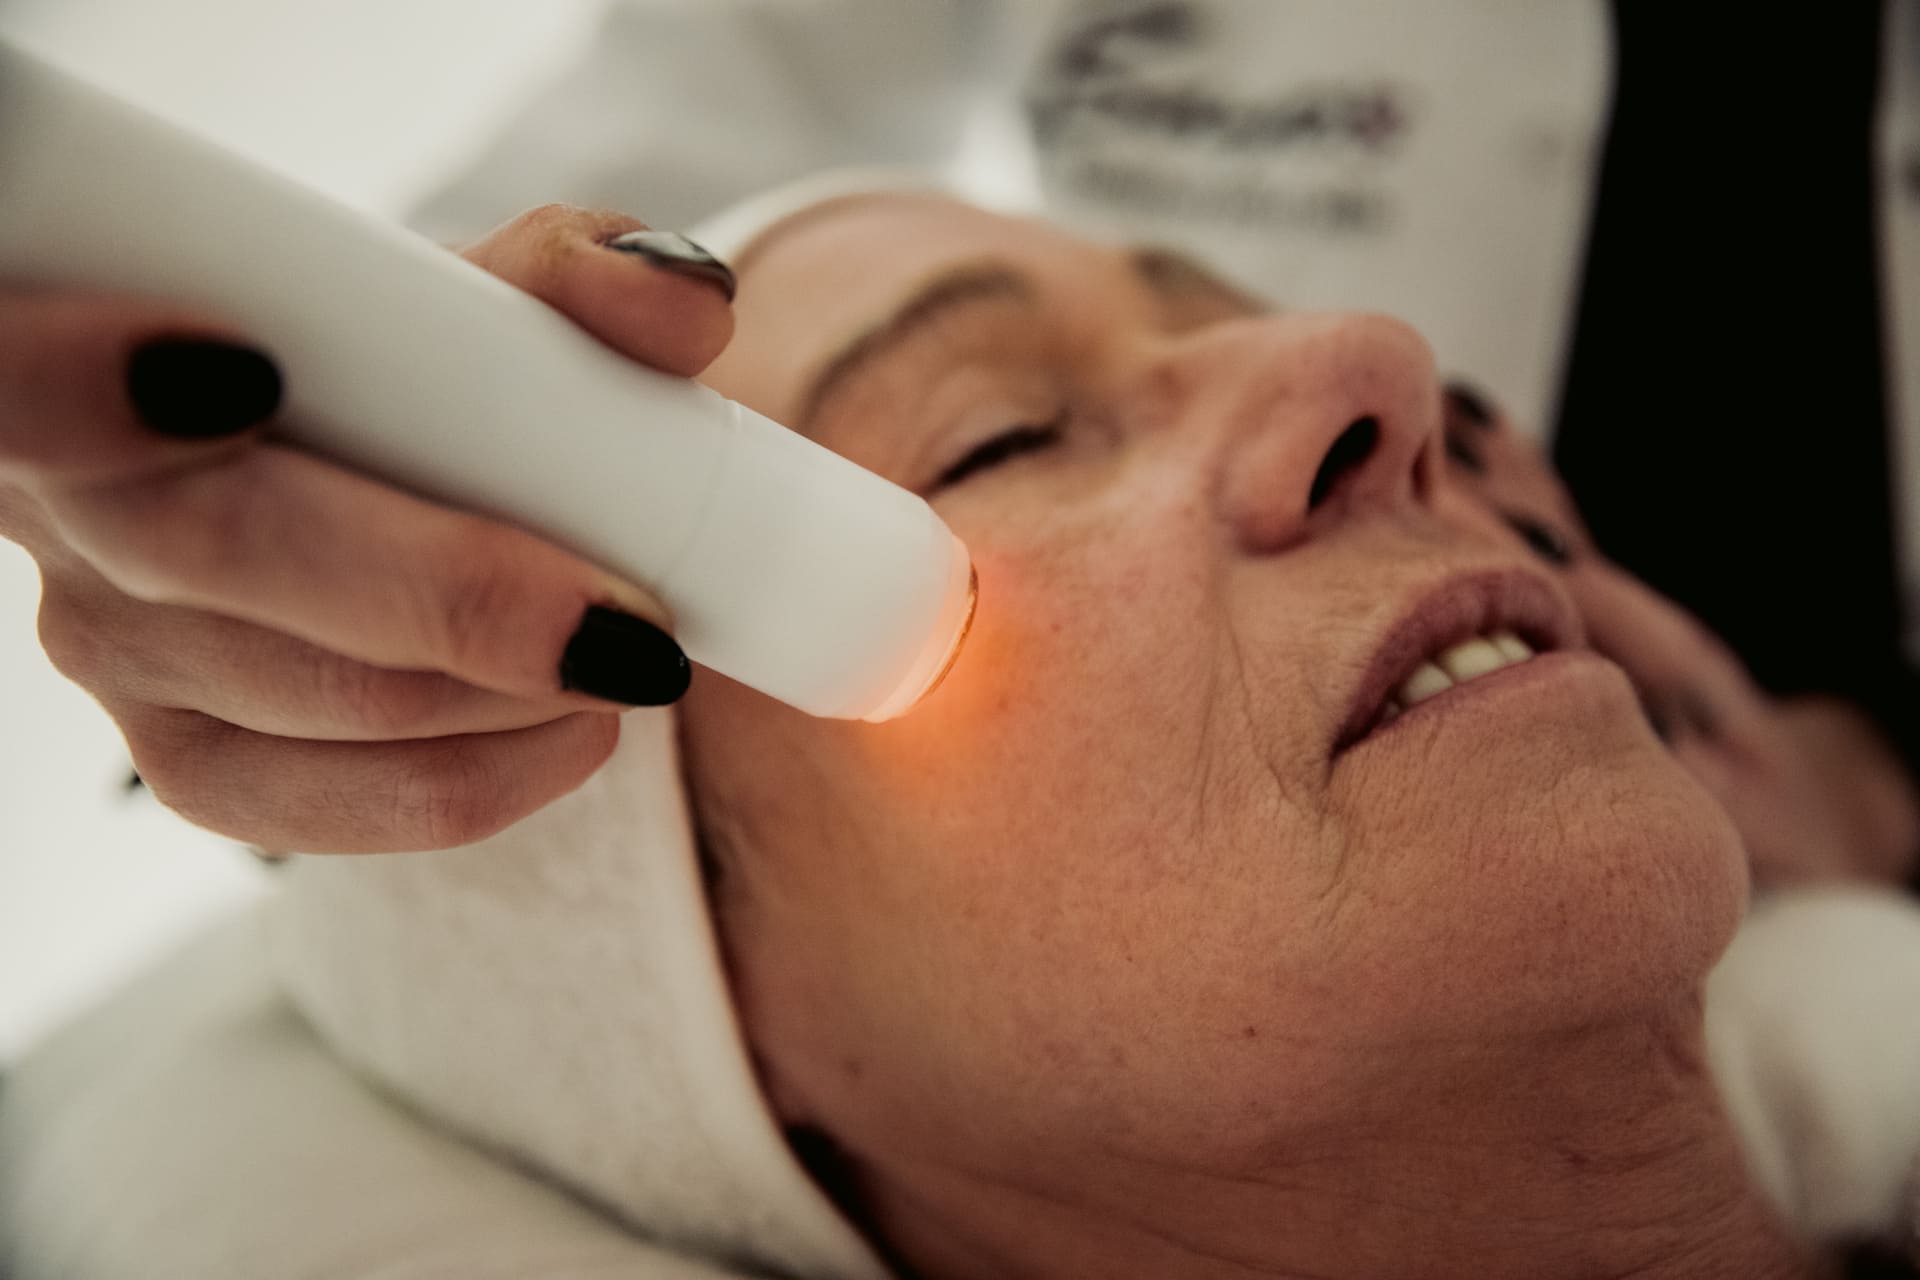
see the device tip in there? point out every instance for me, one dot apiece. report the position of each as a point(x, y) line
point(959, 635)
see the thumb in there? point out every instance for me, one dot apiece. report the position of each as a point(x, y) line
point(652, 295)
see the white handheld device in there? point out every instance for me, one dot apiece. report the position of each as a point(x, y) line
point(785, 566)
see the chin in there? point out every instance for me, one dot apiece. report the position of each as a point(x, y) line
point(1552, 871)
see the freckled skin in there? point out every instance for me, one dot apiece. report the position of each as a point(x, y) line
point(1106, 901)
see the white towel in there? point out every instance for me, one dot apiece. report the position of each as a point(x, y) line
point(555, 993)
point(1813, 1028)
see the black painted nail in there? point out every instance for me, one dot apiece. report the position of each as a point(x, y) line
point(1545, 542)
point(1470, 404)
point(197, 389)
point(671, 251)
point(622, 658)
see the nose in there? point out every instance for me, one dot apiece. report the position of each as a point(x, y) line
point(1315, 419)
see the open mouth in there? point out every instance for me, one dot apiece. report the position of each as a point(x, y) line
point(1454, 665)
point(1470, 628)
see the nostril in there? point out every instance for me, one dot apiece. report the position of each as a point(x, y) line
point(1348, 454)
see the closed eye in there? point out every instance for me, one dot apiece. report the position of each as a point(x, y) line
point(1011, 443)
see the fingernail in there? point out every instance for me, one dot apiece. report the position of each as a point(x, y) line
point(1470, 403)
point(197, 389)
point(671, 251)
point(622, 658)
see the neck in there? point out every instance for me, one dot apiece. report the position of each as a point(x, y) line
point(1599, 1154)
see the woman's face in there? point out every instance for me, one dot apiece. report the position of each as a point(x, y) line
point(1153, 870)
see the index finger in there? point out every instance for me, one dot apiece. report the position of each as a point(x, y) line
point(96, 386)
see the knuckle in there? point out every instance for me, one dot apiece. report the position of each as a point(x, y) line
point(216, 519)
point(566, 226)
point(527, 249)
point(476, 602)
point(376, 702)
point(453, 794)
point(22, 521)
point(71, 638)
point(547, 218)
point(538, 249)
point(174, 541)
point(158, 767)
point(171, 751)
point(606, 217)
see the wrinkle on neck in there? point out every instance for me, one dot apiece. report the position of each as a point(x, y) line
point(1604, 1154)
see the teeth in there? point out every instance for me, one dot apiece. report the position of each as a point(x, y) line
point(1423, 684)
point(1457, 665)
point(1472, 658)
point(1511, 646)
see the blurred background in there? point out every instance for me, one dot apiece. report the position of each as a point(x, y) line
point(94, 879)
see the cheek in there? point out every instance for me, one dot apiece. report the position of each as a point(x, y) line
point(1087, 619)
point(1032, 869)
point(1546, 880)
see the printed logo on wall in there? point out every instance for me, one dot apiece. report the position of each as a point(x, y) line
point(1123, 110)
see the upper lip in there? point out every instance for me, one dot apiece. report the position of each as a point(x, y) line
point(1461, 607)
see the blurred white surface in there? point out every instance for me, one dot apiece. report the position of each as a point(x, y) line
point(371, 100)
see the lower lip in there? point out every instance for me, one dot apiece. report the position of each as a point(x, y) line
point(1544, 675)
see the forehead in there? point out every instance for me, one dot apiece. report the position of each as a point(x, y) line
point(864, 247)
point(821, 277)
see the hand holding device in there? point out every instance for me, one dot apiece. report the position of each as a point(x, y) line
point(784, 565)
point(300, 655)
point(393, 684)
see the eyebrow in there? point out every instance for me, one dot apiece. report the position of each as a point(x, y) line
point(1179, 277)
point(954, 290)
